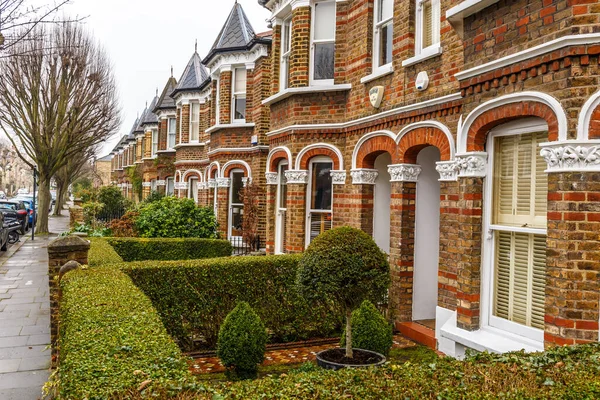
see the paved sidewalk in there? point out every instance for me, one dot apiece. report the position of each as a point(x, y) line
point(25, 317)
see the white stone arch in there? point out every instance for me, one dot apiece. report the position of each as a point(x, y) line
point(331, 147)
point(212, 164)
point(190, 171)
point(276, 149)
point(177, 175)
point(366, 137)
point(430, 124)
point(585, 116)
point(241, 162)
point(538, 97)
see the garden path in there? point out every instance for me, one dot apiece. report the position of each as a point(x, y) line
point(25, 315)
point(294, 355)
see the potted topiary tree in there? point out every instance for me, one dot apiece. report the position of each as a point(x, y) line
point(346, 265)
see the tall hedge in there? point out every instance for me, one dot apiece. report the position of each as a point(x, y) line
point(141, 249)
point(101, 253)
point(111, 338)
point(197, 295)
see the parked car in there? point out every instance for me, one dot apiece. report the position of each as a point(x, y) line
point(3, 234)
point(28, 207)
point(11, 223)
point(29, 198)
point(22, 191)
point(22, 213)
point(2, 195)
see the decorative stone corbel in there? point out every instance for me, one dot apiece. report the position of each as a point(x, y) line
point(364, 176)
point(299, 176)
point(448, 170)
point(246, 181)
point(272, 178)
point(572, 156)
point(212, 183)
point(223, 182)
point(404, 172)
point(472, 164)
point(338, 177)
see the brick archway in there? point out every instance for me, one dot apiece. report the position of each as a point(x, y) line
point(276, 158)
point(374, 147)
point(320, 149)
point(227, 168)
point(478, 131)
point(412, 142)
point(213, 171)
point(594, 128)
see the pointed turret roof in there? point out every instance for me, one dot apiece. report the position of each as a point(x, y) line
point(165, 101)
point(194, 77)
point(150, 117)
point(236, 34)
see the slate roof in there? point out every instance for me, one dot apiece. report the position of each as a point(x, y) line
point(138, 126)
point(131, 136)
point(236, 34)
point(194, 77)
point(105, 158)
point(149, 116)
point(165, 101)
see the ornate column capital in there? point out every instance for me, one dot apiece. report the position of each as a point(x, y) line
point(404, 172)
point(144, 184)
point(202, 185)
point(338, 177)
point(272, 178)
point(364, 176)
point(161, 183)
point(246, 181)
point(572, 156)
point(223, 182)
point(473, 164)
point(448, 170)
point(297, 176)
point(212, 183)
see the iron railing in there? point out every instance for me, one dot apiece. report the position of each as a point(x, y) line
point(243, 247)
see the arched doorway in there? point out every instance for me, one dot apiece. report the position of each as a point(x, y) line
point(427, 238)
point(381, 202)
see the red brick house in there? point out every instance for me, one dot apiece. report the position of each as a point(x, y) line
point(463, 135)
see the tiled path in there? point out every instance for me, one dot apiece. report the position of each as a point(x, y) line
point(207, 365)
point(25, 316)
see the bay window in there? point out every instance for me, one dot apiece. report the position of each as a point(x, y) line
point(286, 50)
point(171, 132)
point(323, 42)
point(427, 26)
point(239, 95)
point(320, 198)
point(194, 122)
point(518, 232)
point(384, 32)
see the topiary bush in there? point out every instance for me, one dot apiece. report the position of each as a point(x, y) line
point(370, 330)
point(141, 249)
point(346, 265)
point(242, 342)
point(172, 217)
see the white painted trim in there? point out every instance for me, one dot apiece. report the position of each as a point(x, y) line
point(192, 144)
point(430, 124)
point(585, 116)
point(384, 114)
point(572, 155)
point(536, 51)
point(426, 54)
point(237, 150)
point(209, 168)
point(270, 156)
point(509, 99)
point(218, 127)
point(379, 72)
point(185, 162)
point(189, 171)
point(244, 163)
point(468, 7)
point(168, 151)
point(284, 94)
point(364, 139)
point(317, 146)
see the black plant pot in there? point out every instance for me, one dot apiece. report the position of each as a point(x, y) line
point(325, 359)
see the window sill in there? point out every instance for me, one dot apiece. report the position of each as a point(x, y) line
point(284, 94)
point(467, 8)
point(165, 151)
point(379, 72)
point(191, 144)
point(426, 54)
point(215, 128)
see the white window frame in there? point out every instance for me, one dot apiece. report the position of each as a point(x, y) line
point(218, 103)
point(420, 50)
point(230, 199)
point(309, 210)
point(313, 42)
point(237, 94)
point(284, 62)
point(154, 148)
point(280, 212)
point(180, 113)
point(172, 180)
point(170, 133)
point(190, 140)
point(193, 194)
point(377, 28)
point(153, 186)
point(489, 245)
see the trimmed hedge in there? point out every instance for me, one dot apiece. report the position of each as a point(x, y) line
point(196, 296)
point(101, 253)
point(111, 338)
point(142, 249)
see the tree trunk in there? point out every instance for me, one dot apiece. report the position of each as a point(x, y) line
point(60, 198)
point(349, 353)
point(43, 204)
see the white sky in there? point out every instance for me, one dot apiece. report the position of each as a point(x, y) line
point(145, 37)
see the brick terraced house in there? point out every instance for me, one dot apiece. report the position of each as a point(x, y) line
point(463, 135)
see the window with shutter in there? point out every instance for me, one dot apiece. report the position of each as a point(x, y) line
point(518, 225)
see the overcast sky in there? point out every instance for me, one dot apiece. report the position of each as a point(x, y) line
point(145, 37)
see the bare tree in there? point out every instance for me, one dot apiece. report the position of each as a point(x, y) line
point(19, 19)
point(78, 166)
point(57, 104)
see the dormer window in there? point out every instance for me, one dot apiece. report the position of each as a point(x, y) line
point(239, 95)
point(428, 26)
point(194, 122)
point(323, 42)
point(171, 132)
point(286, 50)
point(384, 32)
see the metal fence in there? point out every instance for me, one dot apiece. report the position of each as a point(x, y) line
point(110, 214)
point(242, 247)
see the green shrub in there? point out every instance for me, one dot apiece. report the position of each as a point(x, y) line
point(370, 330)
point(101, 253)
point(196, 295)
point(113, 200)
point(346, 265)
point(171, 217)
point(154, 196)
point(242, 342)
point(141, 249)
point(111, 338)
